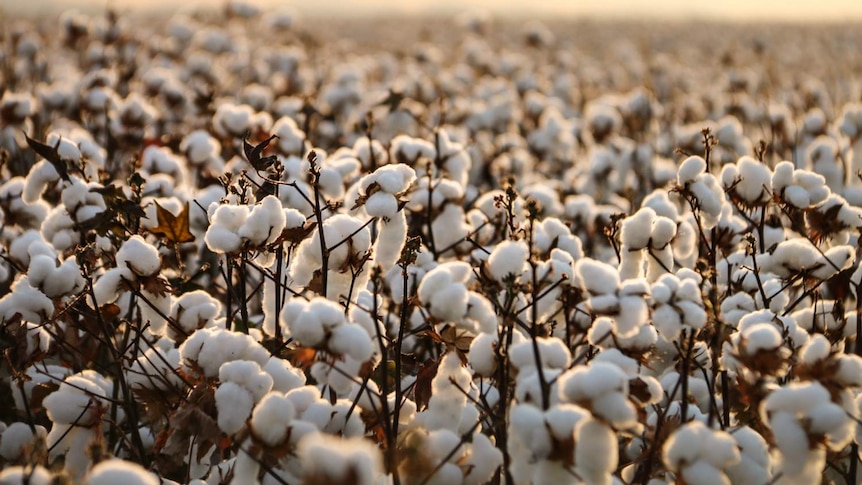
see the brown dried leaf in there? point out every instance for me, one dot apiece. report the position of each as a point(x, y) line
point(174, 229)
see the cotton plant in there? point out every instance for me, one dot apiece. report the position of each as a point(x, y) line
point(77, 409)
point(701, 455)
point(379, 195)
point(138, 268)
point(335, 252)
point(799, 414)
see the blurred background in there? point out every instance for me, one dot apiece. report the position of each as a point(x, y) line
point(723, 10)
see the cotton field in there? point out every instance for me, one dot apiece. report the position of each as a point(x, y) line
point(242, 246)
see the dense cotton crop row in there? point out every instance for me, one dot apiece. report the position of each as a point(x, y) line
point(237, 250)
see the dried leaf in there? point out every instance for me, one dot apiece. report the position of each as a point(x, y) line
point(174, 229)
point(50, 153)
point(422, 388)
point(253, 154)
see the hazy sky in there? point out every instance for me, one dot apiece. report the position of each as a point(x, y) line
point(792, 10)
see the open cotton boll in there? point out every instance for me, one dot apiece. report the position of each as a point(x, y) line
point(285, 377)
point(55, 280)
point(139, 256)
point(265, 222)
point(271, 418)
point(26, 475)
point(637, 228)
point(596, 451)
point(553, 354)
point(508, 259)
point(17, 437)
point(330, 459)
point(222, 235)
point(234, 404)
point(40, 176)
point(481, 461)
point(351, 339)
point(109, 286)
point(690, 168)
point(193, 310)
point(597, 277)
point(114, 471)
point(28, 302)
point(443, 290)
point(247, 374)
point(208, 348)
point(482, 356)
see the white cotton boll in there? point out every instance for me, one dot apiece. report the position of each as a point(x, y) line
point(562, 419)
point(663, 231)
point(265, 222)
point(827, 418)
point(67, 404)
point(701, 472)
point(381, 204)
point(835, 259)
point(596, 452)
point(16, 437)
point(633, 313)
point(285, 377)
point(818, 348)
point(140, 256)
point(553, 354)
point(761, 337)
point(849, 370)
point(114, 471)
point(617, 409)
point(247, 374)
point(234, 404)
point(756, 180)
point(209, 348)
point(40, 176)
point(26, 475)
point(797, 196)
point(307, 329)
point(482, 460)
point(481, 355)
point(585, 383)
point(636, 229)
point(507, 259)
point(109, 285)
point(690, 168)
point(303, 397)
point(792, 441)
point(693, 314)
point(597, 277)
point(332, 459)
point(352, 340)
point(528, 423)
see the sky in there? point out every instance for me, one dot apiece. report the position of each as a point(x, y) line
point(735, 10)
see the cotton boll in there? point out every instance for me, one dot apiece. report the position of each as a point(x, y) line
point(111, 472)
point(690, 168)
point(247, 374)
point(528, 424)
point(265, 222)
point(26, 475)
point(636, 229)
point(481, 356)
point(334, 460)
point(507, 259)
point(596, 277)
point(596, 452)
point(140, 256)
point(481, 461)
point(285, 376)
point(234, 404)
point(352, 340)
point(17, 437)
